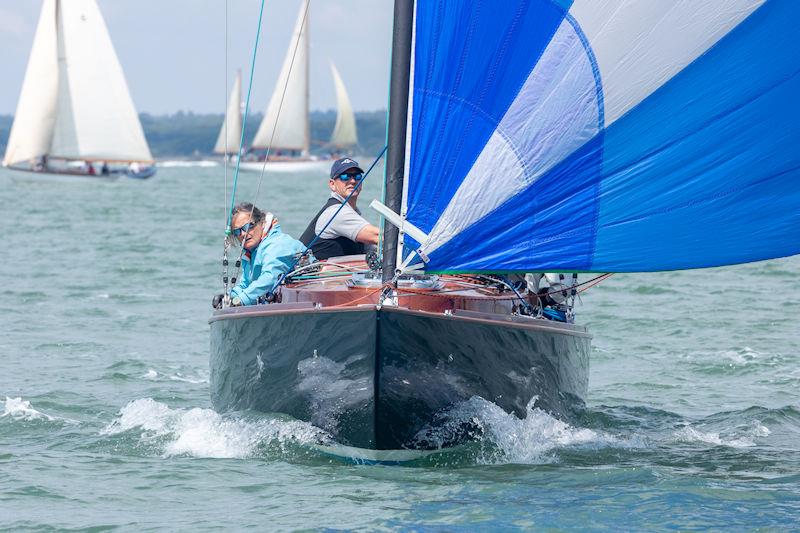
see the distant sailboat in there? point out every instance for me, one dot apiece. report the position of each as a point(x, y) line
point(75, 116)
point(344, 132)
point(230, 134)
point(285, 130)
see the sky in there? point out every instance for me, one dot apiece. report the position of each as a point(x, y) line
point(173, 51)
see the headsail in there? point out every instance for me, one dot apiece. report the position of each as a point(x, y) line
point(230, 135)
point(611, 135)
point(96, 119)
point(32, 130)
point(288, 106)
point(344, 132)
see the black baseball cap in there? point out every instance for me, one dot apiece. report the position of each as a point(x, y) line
point(340, 166)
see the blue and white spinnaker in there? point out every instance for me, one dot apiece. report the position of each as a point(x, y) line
point(603, 135)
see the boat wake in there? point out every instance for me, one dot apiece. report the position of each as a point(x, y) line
point(598, 435)
point(499, 437)
point(199, 432)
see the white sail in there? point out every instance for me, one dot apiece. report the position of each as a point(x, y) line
point(287, 112)
point(96, 119)
point(230, 135)
point(344, 132)
point(36, 110)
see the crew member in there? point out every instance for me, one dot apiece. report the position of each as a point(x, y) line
point(346, 233)
point(268, 253)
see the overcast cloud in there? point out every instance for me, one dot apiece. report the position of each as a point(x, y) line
point(173, 51)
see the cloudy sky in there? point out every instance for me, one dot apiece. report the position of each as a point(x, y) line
point(173, 51)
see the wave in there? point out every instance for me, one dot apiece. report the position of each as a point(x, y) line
point(505, 438)
point(20, 409)
point(205, 433)
point(732, 361)
point(154, 375)
point(494, 437)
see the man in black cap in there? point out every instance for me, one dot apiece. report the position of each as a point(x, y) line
point(348, 232)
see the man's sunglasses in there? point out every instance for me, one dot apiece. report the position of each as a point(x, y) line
point(243, 229)
point(345, 177)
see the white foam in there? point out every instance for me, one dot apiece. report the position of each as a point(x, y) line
point(529, 440)
point(20, 409)
point(204, 432)
point(743, 356)
point(745, 438)
point(196, 380)
point(151, 374)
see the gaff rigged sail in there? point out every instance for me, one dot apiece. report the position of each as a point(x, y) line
point(612, 135)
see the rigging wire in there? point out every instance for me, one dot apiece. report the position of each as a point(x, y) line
point(225, 242)
point(225, 120)
point(244, 120)
point(274, 126)
point(316, 237)
point(280, 104)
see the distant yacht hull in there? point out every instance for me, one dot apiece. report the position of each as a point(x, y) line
point(42, 176)
point(144, 173)
point(67, 175)
point(288, 166)
point(384, 379)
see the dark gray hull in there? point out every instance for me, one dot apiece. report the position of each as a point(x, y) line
point(380, 379)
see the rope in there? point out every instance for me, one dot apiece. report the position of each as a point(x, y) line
point(280, 104)
point(447, 293)
point(225, 120)
point(351, 302)
point(316, 237)
point(274, 127)
point(244, 120)
point(225, 242)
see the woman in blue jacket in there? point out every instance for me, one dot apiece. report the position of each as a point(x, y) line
point(268, 253)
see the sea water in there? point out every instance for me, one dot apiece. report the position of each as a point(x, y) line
point(692, 420)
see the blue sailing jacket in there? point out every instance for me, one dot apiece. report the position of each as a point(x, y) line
point(262, 268)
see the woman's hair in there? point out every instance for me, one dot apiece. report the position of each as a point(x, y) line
point(246, 207)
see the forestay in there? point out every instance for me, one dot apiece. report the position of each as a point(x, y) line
point(603, 135)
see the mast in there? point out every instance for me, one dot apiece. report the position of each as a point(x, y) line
point(396, 131)
point(307, 67)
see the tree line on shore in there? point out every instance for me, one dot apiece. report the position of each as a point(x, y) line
point(192, 135)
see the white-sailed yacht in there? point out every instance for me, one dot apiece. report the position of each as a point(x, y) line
point(283, 140)
point(75, 117)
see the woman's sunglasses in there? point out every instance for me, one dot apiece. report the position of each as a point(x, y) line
point(243, 229)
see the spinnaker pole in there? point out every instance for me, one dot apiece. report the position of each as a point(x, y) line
point(396, 131)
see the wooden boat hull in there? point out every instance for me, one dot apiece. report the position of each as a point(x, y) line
point(382, 378)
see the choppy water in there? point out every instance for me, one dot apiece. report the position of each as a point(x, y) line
point(693, 420)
